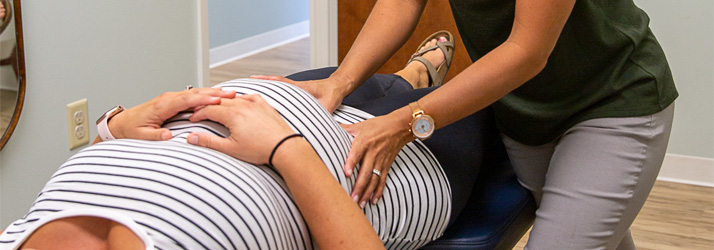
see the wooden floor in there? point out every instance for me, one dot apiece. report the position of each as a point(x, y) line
point(675, 216)
point(283, 60)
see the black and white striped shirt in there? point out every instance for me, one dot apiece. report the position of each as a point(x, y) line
point(174, 195)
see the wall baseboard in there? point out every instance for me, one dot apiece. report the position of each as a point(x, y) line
point(688, 170)
point(255, 44)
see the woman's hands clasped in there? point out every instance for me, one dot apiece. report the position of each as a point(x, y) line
point(144, 121)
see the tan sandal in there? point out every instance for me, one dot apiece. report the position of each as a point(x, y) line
point(436, 75)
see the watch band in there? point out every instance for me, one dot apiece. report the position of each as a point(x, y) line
point(103, 126)
point(416, 110)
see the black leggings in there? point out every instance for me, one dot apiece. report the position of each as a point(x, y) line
point(459, 147)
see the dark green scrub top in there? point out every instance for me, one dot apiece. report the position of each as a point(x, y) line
point(606, 63)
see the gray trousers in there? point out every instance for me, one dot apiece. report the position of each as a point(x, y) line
point(591, 183)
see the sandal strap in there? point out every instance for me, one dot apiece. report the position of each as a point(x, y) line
point(443, 46)
point(434, 79)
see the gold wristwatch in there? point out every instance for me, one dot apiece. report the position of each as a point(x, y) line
point(422, 125)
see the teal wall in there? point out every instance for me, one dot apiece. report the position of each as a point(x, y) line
point(233, 20)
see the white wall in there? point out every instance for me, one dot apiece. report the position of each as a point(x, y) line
point(110, 52)
point(686, 31)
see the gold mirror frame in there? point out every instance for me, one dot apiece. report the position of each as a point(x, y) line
point(20, 74)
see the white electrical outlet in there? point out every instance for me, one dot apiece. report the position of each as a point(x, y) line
point(77, 125)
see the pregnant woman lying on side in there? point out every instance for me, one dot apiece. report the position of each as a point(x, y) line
point(164, 193)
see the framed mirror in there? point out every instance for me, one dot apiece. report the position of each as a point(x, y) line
point(12, 68)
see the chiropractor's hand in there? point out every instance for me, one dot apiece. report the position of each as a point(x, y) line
point(144, 121)
point(329, 92)
point(254, 125)
point(375, 146)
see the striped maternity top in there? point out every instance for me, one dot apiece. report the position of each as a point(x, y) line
point(174, 195)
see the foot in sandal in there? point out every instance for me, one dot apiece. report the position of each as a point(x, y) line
point(430, 63)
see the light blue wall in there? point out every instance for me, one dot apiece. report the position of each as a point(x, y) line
point(233, 20)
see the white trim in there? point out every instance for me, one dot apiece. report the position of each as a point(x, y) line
point(203, 56)
point(255, 44)
point(323, 33)
point(688, 170)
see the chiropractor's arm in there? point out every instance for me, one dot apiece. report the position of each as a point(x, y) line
point(256, 128)
point(387, 28)
point(536, 28)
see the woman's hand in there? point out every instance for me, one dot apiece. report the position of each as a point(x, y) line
point(254, 125)
point(144, 121)
point(376, 144)
point(329, 92)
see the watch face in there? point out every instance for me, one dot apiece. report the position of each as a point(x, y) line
point(423, 126)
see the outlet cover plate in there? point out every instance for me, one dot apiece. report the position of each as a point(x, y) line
point(77, 120)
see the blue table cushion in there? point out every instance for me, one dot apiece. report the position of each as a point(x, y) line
point(499, 212)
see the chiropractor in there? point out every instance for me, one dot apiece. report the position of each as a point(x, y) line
point(581, 90)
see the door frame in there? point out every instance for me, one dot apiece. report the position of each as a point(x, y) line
point(323, 33)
